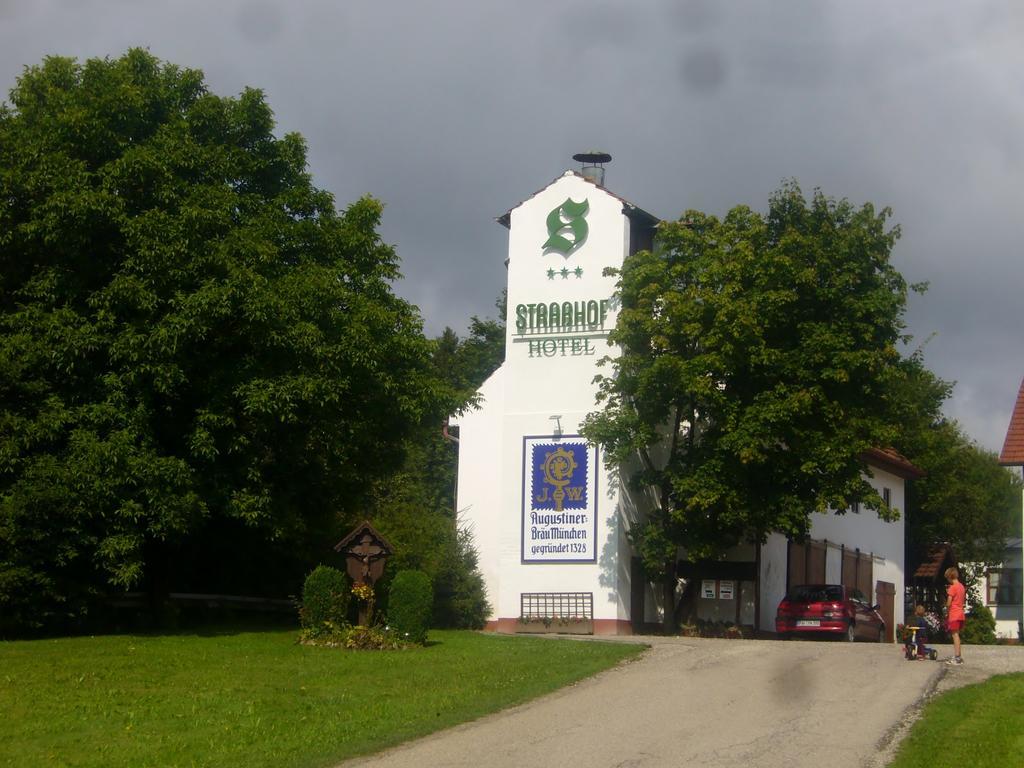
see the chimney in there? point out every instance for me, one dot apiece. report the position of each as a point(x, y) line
point(593, 165)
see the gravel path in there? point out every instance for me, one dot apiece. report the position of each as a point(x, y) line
point(715, 704)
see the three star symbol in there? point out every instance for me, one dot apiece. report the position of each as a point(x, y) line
point(565, 272)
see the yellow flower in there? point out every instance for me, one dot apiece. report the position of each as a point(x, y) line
point(363, 592)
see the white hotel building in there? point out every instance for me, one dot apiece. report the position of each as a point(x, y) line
point(550, 520)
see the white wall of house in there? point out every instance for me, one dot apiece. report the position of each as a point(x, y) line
point(862, 530)
point(774, 562)
point(1007, 616)
point(480, 440)
point(548, 371)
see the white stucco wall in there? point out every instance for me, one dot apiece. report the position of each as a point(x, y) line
point(537, 381)
point(480, 437)
point(633, 506)
point(863, 530)
point(774, 561)
point(1007, 617)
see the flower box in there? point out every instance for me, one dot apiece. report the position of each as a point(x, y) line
point(554, 625)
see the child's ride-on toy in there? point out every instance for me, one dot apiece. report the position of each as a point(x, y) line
point(912, 650)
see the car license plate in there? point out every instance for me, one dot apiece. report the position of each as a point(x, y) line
point(808, 623)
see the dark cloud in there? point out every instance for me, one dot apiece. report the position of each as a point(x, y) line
point(599, 24)
point(451, 113)
point(704, 70)
point(695, 16)
point(8, 8)
point(260, 21)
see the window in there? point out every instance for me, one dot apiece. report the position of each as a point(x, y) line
point(887, 497)
point(815, 594)
point(1004, 586)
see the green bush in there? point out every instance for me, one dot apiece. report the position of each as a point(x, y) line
point(460, 598)
point(979, 627)
point(324, 599)
point(410, 604)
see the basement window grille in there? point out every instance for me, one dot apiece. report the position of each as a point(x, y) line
point(562, 605)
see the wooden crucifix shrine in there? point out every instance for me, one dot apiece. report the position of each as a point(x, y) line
point(365, 552)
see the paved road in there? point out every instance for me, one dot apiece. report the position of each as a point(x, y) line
point(714, 704)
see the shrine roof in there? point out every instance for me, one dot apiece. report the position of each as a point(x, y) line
point(359, 530)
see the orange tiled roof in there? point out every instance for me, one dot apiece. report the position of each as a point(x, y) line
point(934, 562)
point(892, 460)
point(1013, 447)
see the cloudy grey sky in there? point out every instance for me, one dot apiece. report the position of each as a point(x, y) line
point(452, 112)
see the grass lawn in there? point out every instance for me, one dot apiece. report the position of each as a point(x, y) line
point(257, 699)
point(980, 726)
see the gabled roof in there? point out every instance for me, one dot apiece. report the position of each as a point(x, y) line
point(936, 560)
point(1013, 447)
point(363, 528)
point(893, 461)
point(628, 209)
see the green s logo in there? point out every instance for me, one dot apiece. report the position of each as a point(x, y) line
point(567, 227)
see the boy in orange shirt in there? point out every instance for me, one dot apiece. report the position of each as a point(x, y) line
point(955, 596)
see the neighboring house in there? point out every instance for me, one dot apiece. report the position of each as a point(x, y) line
point(1003, 583)
point(856, 549)
point(550, 520)
point(1000, 589)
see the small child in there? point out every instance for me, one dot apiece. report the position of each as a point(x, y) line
point(922, 631)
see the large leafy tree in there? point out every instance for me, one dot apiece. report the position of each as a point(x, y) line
point(965, 498)
point(758, 362)
point(466, 363)
point(190, 332)
point(415, 507)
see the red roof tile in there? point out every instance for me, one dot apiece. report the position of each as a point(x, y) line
point(1013, 447)
point(936, 560)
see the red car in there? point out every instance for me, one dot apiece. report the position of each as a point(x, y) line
point(822, 610)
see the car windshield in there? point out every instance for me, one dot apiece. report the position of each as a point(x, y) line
point(815, 594)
